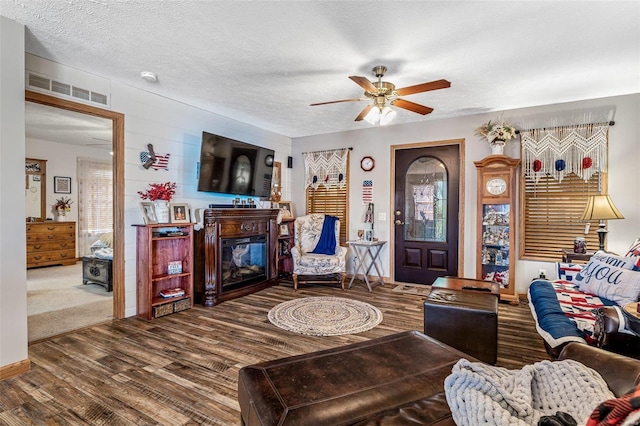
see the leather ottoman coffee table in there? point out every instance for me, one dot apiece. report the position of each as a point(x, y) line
point(468, 284)
point(351, 384)
point(466, 320)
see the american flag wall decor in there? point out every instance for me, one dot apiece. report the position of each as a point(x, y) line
point(367, 191)
point(160, 162)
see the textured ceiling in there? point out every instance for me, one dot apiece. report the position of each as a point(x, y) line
point(264, 62)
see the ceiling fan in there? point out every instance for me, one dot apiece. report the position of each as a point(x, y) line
point(381, 92)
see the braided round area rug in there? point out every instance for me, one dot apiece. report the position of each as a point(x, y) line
point(325, 316)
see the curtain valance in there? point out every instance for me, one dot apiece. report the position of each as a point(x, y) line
point(328, 168)
point(559, 151)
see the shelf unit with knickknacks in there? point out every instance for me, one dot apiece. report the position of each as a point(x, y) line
point(497, 178)
point(286, 240)
point(164, 269)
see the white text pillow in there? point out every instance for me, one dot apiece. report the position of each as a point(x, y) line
point(619, 285)
point(614, 260)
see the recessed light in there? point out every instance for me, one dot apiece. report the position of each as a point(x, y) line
point(149, 76)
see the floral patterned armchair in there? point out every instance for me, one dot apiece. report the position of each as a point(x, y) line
point(307, 266)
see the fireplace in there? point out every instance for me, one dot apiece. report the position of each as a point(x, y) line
point(234, 254)
point(244, 261)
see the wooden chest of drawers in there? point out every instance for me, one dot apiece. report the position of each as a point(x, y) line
point(51, 243)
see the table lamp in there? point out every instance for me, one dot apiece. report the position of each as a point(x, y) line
point(600, 207)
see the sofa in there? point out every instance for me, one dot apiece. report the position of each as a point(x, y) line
point(584, 303)
point(391, 380)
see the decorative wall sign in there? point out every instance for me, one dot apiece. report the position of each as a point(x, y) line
point(62, 185)
point(367, 191)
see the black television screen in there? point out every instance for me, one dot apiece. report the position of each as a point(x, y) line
point(228, 166)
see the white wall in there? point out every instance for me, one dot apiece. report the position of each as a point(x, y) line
point(624, 152)
point(62, 160)
point(13, 264)
point(173, 128)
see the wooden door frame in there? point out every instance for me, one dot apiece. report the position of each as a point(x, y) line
point(392, 185)
point(118, 184)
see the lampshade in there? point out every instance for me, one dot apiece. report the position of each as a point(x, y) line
point(380, 116)
point(600, 207)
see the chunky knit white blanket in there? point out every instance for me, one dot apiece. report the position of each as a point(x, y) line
point(481, 394)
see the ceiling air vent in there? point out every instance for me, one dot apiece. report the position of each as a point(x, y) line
point(99, 98)
point(81, 93)
point(39, 82)
point(62, 88)
point(46, 84)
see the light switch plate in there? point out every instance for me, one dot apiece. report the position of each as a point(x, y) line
point(382, 216)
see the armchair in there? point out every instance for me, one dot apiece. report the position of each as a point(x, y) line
point(308, 266)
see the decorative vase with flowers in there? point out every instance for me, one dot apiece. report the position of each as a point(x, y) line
point(497, 134)
point(62, 207)
point(160, 194)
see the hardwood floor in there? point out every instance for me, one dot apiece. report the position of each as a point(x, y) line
point(183, 368)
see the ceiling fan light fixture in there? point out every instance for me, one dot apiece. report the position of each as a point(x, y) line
point(387, 115)
point(373, 117)
point(380, 116)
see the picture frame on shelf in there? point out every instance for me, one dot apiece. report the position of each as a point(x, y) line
point(368, 235)
point(148, 212)
point(286, 208)
point(284, 230)
point(179, 213)
point(62, 185)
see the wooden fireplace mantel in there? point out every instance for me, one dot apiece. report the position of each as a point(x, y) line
point(230, 223)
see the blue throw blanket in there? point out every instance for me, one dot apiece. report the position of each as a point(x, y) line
point(327, 242)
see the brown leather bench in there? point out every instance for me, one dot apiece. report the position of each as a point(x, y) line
point(393, 380)
point(349, 384)
point(466, 320)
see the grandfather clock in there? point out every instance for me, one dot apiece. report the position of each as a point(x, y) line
point(496, 223)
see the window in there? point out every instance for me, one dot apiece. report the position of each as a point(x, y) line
point(327, 183)
point(550, 218)
point(561, 168)
point(331, 201)
point(95, 205)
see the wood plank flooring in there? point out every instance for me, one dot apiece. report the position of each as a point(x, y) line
point(182, 369)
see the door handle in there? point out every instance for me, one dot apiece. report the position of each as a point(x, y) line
point(399, 222)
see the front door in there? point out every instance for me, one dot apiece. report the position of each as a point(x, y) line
point(426, 213)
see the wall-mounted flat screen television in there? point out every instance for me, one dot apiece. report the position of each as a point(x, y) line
point(228, 166)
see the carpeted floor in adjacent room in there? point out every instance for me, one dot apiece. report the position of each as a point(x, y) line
point(58, 302)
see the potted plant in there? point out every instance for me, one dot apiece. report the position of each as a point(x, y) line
point(497, 134)
point(62, 206)
point(161, 194)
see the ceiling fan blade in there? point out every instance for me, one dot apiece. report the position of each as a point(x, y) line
point(412, 106)
point(363, 113)
point(364, 83)
point(335, 102)
point(424, 87)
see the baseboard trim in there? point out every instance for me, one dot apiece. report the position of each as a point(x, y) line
point(15, 369)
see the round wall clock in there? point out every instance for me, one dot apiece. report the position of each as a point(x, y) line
point(367, 163)
point(496, 186)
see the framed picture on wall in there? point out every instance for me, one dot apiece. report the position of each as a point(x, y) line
point(62, 185)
